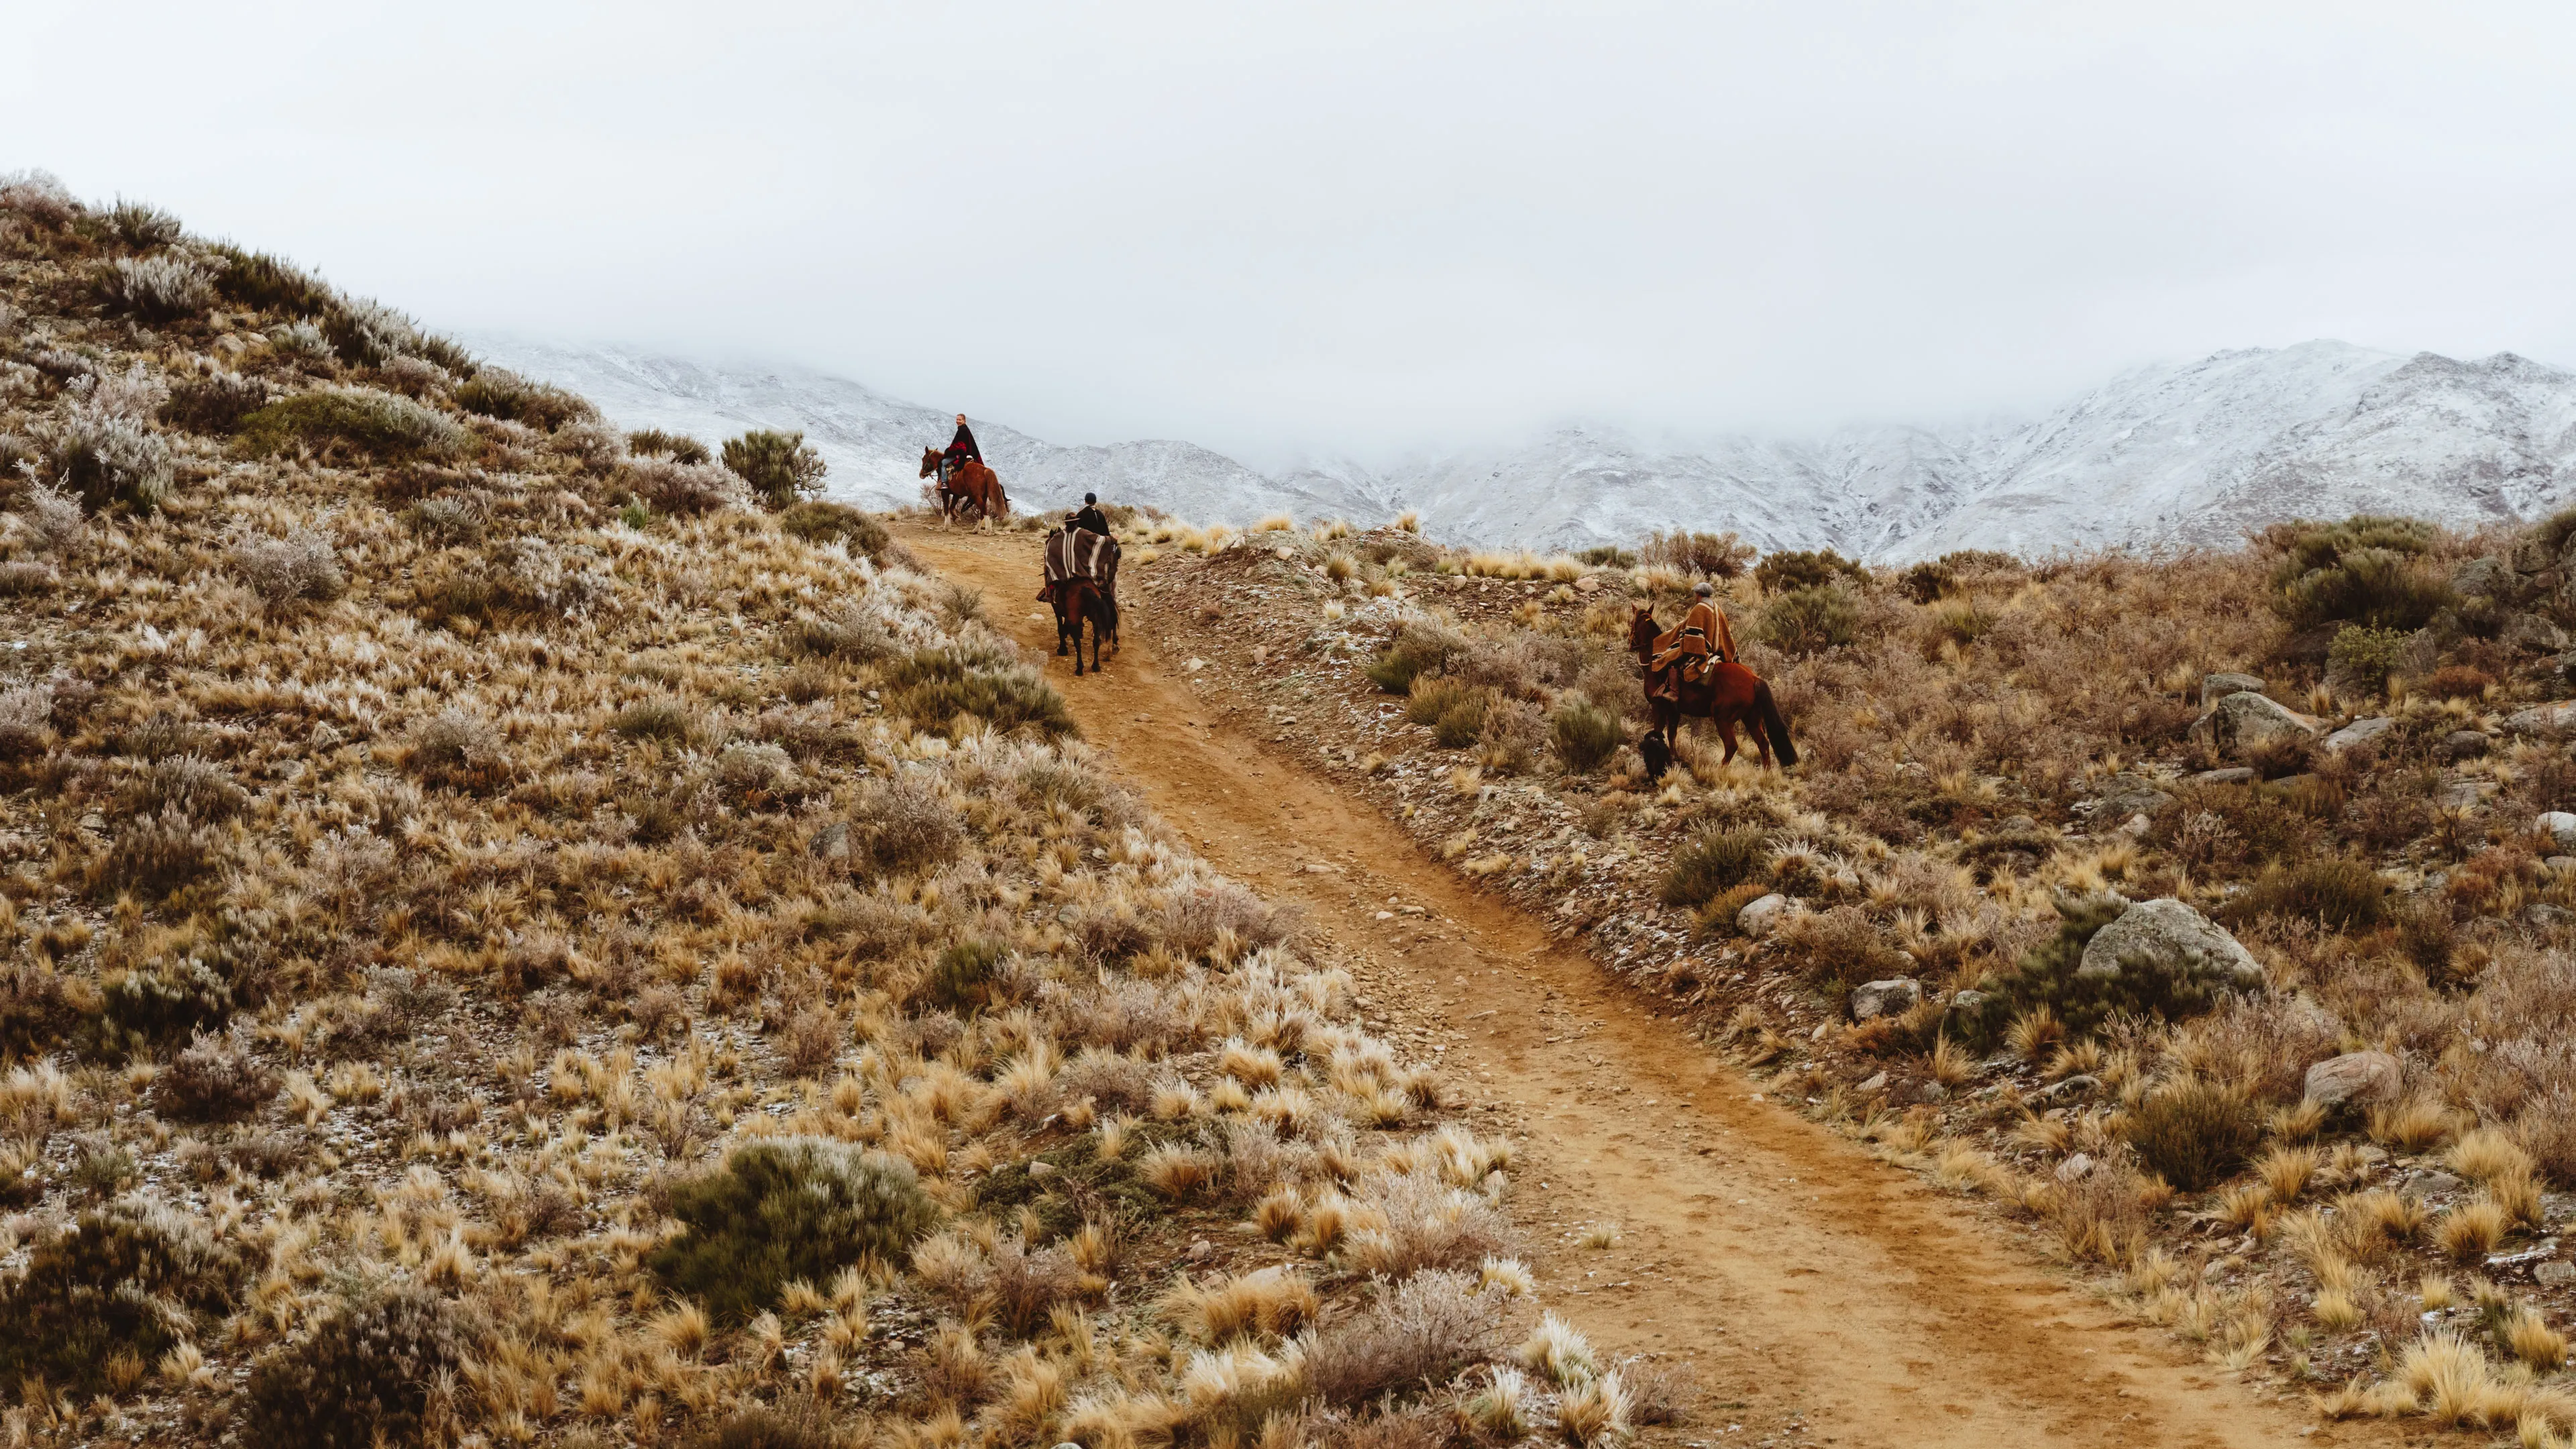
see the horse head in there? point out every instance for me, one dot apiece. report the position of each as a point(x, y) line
point(1642, 628)
point(929, 461)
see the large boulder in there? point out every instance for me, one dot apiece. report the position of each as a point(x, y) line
point(2247, 721)
point(2124, 795)
point(2483, 576)
point(2171, 939)
point(2546, 719)
point(2215, 687)
point(2358, 1077)
point(1893, 997)
point(2531, 555)
point(2559, 826)
point(2532, 634)
point(2360, 732)
point(1761, 917)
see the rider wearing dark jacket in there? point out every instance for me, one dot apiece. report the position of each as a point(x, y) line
point(963, 445)
point(1091, 517)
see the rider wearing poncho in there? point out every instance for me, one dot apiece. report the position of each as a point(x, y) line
point(1091, 517)
point(1686, 654)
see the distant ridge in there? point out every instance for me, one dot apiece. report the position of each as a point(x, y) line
point(2157, 458)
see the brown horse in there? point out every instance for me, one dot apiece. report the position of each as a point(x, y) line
point(1075, 600)
point(1731, 694)
point(969, 485)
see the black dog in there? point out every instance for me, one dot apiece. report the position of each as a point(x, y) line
point(1657, 755)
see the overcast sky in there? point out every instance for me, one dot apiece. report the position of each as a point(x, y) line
point(1273, 228)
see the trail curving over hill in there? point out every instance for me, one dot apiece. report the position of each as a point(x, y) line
point(1823, 1296)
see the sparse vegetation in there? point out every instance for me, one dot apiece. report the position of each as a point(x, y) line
point(779, 468)
point(800, 1209)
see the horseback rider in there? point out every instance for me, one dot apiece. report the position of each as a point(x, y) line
point(1090, 516)
point(960, 448)
point(1701, 641)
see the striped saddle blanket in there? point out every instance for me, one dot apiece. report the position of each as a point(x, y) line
point(1080, 553)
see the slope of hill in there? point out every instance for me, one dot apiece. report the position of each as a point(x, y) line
point(487, 962)
point(2160, 457)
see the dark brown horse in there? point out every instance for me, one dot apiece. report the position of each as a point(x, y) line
point(1730, 695)
point(967, 485)
point(1075, 600)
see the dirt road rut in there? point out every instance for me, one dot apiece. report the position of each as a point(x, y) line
point(1823, 1296)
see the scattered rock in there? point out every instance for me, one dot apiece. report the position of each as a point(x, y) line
point(2466, 744)
point(2560, 864)
point(832, 842)
point(2532, 633)
point(2017, 825)
point(2461, 795)
point(2215, 687)
point(2559, 826)
point(2074, 1086)
point(2546, 916)
point(2360, 732)
point(2362, 1077)
point(2137, 826)
point(2430, 1182)
point(2531, 555)
point(2075, 1168)
point(2546, 719)
point(2247, 721)
point(1931, 1092)
point(2127, 795)
point(2232, 775)
point(2555, 1272)
point(2482, 576)
point(1969, 1003)
point(2168, 937)
point(1892, 997)
point(1760, 918)
point(1875, 1084)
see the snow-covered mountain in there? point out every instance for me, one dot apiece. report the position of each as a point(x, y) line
point(2160, 457)
point(872, 443)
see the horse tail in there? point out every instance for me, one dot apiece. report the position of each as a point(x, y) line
point(1773, 726)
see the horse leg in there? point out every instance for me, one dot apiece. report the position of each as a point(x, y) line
point(1726, 731)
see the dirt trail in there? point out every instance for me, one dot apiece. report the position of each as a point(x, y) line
point(1822, 1294)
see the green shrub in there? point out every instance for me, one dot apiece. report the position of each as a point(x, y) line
point(1786, 573)
point(1395, 670)
point(127, 1278)
point(780, 467)
point(2364, 570)
point(2362, 658)
point(961, 980)
point(167, 1001)
point(1962, 623)
point(787, 1209)
point(1463, 722)
point(1810, 621)
point(1717, 915)
point(386, 426)
point(362, 1378)
point(155, 857)
point(2195, 1135)
point(497, 393)
point(938, 690)
point(1608, 556)
point(816, 521)
point(678, 447)
point(1583, 734)
point(2337, 890)
point(1713, 861)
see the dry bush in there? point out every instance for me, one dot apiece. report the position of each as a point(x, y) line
point(374, 1372)
point(292, 570)
point(496, 393)
point(904, 825)
point(1423, 1331)
point(215, 1080)
point(681, 489)
point(1712, 862)
point(161, 288)
point(457, 750)
point(1427, 1224)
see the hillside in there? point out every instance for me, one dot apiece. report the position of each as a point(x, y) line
point(2164, 457)
point(2211, 915)
point(510, 940)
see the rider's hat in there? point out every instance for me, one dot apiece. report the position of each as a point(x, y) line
point(1090, 497)
point(1702, 589)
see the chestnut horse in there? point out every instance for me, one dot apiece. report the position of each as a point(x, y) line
point(970, 485)
point(1076, 599)
point(1730, 695)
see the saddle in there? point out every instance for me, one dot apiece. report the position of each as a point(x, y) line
point(1080, 553)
